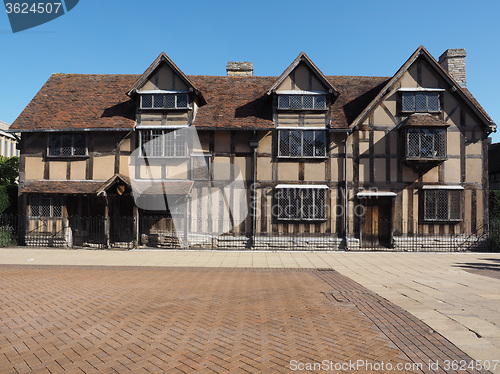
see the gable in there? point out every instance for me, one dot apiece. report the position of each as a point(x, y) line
point(302, 73)
point(302, 78)
point(421, 71)
point(164, 78)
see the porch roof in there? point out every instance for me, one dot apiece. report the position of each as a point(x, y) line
point(63, 187)
point(161, 187)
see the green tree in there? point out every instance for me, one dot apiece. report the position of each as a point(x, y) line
point(9, 172)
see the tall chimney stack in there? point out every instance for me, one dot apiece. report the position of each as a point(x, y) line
point(453, 61)
point(241, 68)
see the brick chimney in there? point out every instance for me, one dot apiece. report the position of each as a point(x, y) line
point(241, 68)
point(453, 61)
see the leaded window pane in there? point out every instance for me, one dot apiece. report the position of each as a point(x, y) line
point(413, 143)
point(420, 102)
point(308, 143)
point(154, 146)
point(426, 144)
point(320, 102)
point(308, 207)
point(158, 101)
point(45, 207)
point(79, 145)
point(54, 144)
point(433, 101)
point(200, 167)
point(169, 144)
point(34, 206)
point(320, 203)
point(180, 143)
point(284, 101)
point(308, 102)
point(408, 104)
point(442, 205)
point(295, 143)
point(455, 205)
point(430, 204)
point(147, 101)
point(296, 101)
point(440, 142)
point(169, 101)
point(284, 143)
point(182, 101)
point(56, 206)
point(66, 145)
point(320, 143)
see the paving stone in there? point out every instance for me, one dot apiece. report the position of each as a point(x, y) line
point(61, 319)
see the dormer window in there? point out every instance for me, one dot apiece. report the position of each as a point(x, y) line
point(420, 101)
point(165, 101)
point(302, 101)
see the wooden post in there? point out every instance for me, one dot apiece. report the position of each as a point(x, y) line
point(136, 226)
point(106, 220)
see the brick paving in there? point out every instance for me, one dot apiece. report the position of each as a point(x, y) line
point(162, 320)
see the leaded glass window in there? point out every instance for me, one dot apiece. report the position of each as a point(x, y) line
point(67, 145)
point(442, 205)
point(420, 101)
point(426, 143)
point(301, 143)
point(301, 203)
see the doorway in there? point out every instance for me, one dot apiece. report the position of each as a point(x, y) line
point(376, 222)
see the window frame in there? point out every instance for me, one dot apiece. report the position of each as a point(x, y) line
point(54, 201)
point(301, 130)
point(302, 95)
point(435, 218)
point(164, 107)
point(422, 130)
point(72, 136)
point(423, 91)
point(321, 214)
point(207, 157)
point(163, 148)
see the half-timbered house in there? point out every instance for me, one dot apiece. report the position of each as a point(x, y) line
point(326, 161)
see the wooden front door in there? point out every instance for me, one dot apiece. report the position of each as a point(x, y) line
point(376, 223)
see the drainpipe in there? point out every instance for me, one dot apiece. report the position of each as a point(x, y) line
point(254, 143)
point(346, 196)
point(346, 190)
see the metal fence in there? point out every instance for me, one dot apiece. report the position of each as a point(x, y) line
point(160, 232)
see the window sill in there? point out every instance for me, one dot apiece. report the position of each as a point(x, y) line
point(157, 109)
point(408, 112)
point(301, 220)
point(440, 221)
point(66, 158)
point(302, 110)
point(425, 159)
point(299, 158)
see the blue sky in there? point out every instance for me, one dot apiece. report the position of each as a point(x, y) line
point(341, 37)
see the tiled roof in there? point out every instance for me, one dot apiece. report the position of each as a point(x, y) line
point(162, 187)
point(424, 120)
point(76, 101)
point(65, 187)
point(80, 101)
